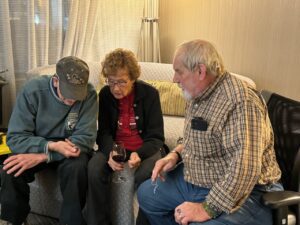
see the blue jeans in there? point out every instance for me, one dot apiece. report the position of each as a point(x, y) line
point(158, 200)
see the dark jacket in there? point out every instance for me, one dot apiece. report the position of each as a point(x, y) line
point(148, 116)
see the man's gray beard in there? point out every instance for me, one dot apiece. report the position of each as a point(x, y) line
point(187, 96)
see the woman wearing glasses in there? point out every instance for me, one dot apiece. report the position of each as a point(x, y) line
point(129, 113)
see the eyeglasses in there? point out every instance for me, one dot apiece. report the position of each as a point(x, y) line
point(119, 83)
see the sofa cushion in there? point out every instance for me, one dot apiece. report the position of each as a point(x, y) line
point(173, 128)
point(172, 101)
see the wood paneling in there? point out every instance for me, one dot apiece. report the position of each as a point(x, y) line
point(259, 39)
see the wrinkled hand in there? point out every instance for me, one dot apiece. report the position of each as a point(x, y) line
point(134, 160)
point(190, 212)
point(163, 165)
point(116, 166)
point(66, 148)
point(19, 163)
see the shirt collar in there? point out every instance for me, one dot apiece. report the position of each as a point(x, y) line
point(211, 88)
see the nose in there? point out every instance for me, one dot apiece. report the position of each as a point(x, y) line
point(115, 87)
point(175, 78)
point(69, 101)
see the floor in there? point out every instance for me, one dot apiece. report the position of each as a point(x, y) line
point(34, 219)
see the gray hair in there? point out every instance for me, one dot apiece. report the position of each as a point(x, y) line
point(197, 52)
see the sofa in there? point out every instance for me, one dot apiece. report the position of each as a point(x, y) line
point(45, 197)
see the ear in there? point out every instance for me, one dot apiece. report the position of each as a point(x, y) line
point(55, 81)
point(202, 71)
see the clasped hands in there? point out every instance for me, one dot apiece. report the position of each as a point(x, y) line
point(133, 162)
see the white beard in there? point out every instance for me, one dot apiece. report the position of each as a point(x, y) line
point(187, 95)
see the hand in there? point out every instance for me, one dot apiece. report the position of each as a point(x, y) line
point(115, 165)
point(163, 165)
point(134, 160)
point(66, 148)
point(190, 212)
point(21, 162)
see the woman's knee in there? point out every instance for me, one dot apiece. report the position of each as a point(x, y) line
point(145, 170)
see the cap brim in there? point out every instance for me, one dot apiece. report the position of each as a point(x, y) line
point(74, 92)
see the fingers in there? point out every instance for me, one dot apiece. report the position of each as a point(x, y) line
point(71, 146)
point(180, 216)
point(133, 164)
point(114, 165)
point(20, 171)
point(12, 168)
point(134, 161)
point(9, 159)
point(158, 169)
point(69, 142)
point(69, 154)
point(15, 163)
point(74, 148)
point(10, 162)
point(66, 148)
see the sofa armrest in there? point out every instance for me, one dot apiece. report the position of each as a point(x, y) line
point(279, 199)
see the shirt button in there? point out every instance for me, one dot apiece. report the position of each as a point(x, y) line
point(196, 105)
point(136, 117)
point(134, 105)
point(186, 155)
point(140, 131)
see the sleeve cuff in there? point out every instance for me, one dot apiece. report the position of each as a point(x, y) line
point(46, 150)
point(211, 211)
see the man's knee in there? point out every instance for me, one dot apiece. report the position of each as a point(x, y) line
point(73, 166)
point(143, 192)
point(98, 168)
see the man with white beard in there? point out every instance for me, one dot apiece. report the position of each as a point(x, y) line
point(226, 161)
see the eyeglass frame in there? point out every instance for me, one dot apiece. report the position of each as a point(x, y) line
point(119, 83)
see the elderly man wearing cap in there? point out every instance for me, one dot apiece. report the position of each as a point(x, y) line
point(53, 124)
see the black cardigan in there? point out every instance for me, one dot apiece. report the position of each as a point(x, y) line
point(148, 116)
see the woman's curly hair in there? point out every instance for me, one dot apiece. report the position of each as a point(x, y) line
point(121, 59)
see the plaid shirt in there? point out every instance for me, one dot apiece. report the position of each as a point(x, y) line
point(236, 150)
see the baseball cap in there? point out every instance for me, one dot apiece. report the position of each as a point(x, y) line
point(73, 74)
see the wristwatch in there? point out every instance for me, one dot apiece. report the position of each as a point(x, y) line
point(178, 154)
point(179, 141)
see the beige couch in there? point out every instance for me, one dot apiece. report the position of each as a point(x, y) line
point(45, 196)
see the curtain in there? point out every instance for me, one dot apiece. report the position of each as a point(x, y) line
point(6, 64)
point(45, 27)
point(149, 47)
point(97, 27)
point(37, 33)
point(37, 30)
point(31, 35)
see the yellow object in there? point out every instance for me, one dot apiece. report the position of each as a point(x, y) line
point(171, 98)
point(3, 147)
